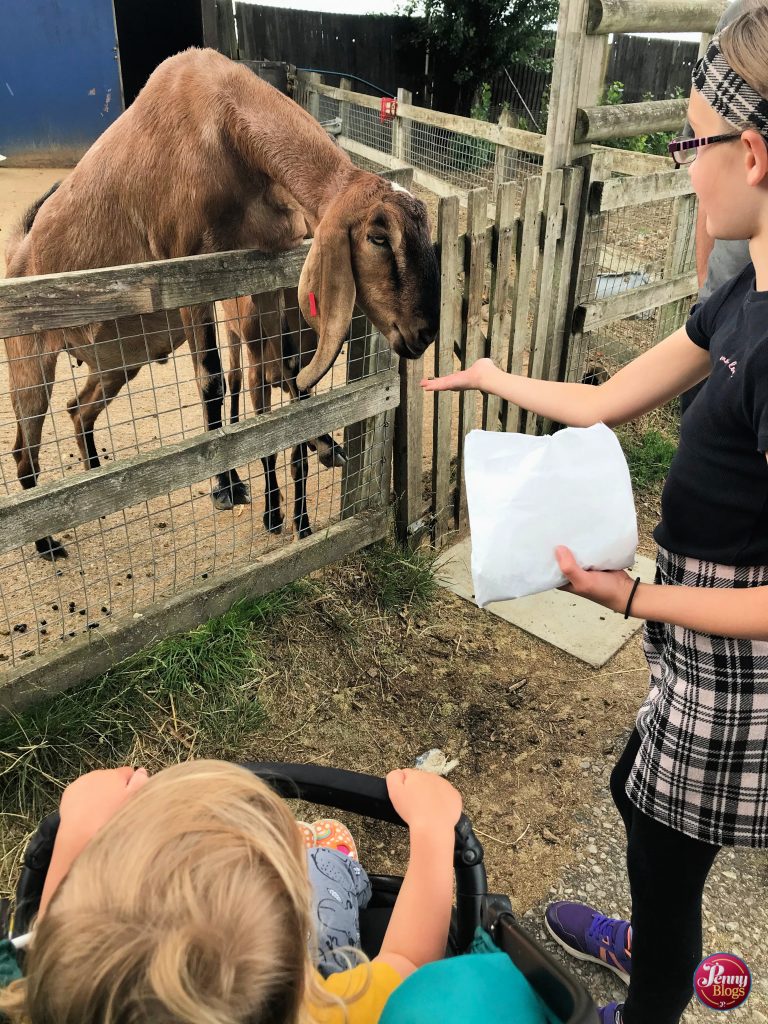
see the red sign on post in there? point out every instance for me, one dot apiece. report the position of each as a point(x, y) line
point(388, 109)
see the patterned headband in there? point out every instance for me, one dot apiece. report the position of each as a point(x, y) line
point(728, 93)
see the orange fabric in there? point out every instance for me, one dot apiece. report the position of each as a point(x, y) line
point(378, 980)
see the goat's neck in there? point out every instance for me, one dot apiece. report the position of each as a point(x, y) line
point(287, 144)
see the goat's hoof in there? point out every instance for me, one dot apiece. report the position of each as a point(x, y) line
point(273, 522)
point(240, 493)
point(303, 531)
point(222, 499)
point(51, 549)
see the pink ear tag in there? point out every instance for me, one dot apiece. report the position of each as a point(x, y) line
point(312, 304)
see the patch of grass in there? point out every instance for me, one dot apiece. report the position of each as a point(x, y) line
point(401, 577)
point(649, 454)
point(193, 694)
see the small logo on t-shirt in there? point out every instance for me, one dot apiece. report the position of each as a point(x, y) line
point(730, 363)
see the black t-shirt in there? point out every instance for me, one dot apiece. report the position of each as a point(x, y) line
point(715, 501)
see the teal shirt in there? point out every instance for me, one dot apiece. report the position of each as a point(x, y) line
point(9, 965)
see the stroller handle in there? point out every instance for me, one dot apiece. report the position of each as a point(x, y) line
point(367, 795)
point(332, 787)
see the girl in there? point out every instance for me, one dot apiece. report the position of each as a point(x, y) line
point(694, 775)
point(184, 899)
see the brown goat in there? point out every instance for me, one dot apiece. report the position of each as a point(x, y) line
point(207, 159)
point(267, 326)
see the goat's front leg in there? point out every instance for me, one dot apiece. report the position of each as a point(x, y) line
point(229, 490)
point(31, 372)
point(299, 474)
point(273, 514)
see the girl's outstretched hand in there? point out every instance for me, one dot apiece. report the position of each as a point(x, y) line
point(473, 378)
point(610, 588)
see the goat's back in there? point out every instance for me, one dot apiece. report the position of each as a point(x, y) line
point(171, 177)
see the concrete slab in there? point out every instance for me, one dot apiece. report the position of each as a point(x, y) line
point(586, 630)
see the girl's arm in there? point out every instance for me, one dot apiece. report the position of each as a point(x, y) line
point(651, 380)
point(417, 932)
point(740, 614)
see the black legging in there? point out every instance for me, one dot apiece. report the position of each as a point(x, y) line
point(667, 871)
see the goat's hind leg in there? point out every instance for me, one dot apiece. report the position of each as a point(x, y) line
point(30, 378)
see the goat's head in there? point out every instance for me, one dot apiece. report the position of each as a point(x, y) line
point(373, 247)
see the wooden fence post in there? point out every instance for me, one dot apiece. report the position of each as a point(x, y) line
point(401, 129)
point(361, 352)
point(526, 248)
point(313, 97)
point(504, 155)
point(472, 340)
point(499, 316)
point(346, 84)
point(408, 446)
point(449, 334)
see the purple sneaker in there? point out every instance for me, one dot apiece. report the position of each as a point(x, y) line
point(587, 934)
point(611, 1014)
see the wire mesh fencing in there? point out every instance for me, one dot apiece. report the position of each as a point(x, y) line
point(118, 393)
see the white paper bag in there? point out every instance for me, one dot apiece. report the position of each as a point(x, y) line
point(526, 495)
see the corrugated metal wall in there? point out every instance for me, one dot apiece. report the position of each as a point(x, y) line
point(59, 78)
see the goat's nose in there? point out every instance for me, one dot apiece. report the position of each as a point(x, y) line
point(426, 336)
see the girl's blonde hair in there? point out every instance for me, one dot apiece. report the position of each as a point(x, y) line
point(191, 905)
point(744, 44)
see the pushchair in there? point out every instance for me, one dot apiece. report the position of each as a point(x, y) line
point(366, 795)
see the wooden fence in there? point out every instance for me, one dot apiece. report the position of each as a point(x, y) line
point(45, 595)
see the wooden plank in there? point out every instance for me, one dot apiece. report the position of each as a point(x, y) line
point(83, 659)
point(625, 161)
point(448, 336)
point(527, 142)
point(29, 304)
point(604, 311)
point(527, 247)
point(359, 98)
point(472, 340)
point(429, 181)
point(620, 193)
point(593, 124)
point(408, 447)
point(401, 128)
point(681, 248)
point(63, 504)
point(654, 15)
point(549, 266)
point(500, 315)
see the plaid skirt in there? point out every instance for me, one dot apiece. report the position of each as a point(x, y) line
point(702, 767)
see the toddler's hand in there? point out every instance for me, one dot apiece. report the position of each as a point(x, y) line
point(423, 799)
point(475, 376)
point(90, 801)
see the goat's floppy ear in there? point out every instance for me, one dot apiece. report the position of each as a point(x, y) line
point(327, 297)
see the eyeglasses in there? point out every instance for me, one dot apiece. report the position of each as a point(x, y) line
point(683, 151)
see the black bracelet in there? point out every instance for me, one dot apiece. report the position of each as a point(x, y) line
point(635, 585)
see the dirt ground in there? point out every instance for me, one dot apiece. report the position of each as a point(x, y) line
point(520, 716)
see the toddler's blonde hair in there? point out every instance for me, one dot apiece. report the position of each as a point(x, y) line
point(191, 905)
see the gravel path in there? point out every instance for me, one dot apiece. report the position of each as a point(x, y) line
point(734, 903)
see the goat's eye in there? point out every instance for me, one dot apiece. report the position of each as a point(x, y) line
point(377, 239)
